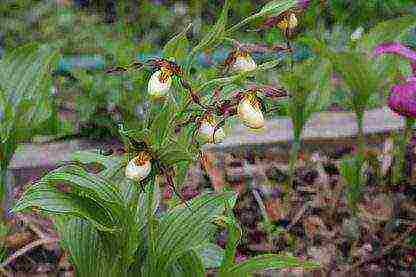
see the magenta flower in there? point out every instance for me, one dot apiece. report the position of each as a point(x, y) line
point(398, 49)
point(402, 98)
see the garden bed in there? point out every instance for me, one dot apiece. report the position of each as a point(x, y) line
point(316, 217)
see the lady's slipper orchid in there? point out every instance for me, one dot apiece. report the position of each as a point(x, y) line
point(244, 62)
point(207, 128)
point(402, 97)
point(139, 167)
point(250, 112)
point(289, 22)
point(160, 83)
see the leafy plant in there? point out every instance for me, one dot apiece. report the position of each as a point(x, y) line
point(351, 171)
point(309, 92)
point(25, 100)
point(109, 221)
point(252, 265)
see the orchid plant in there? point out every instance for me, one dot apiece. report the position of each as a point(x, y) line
point(402, 99)
point(110, 222)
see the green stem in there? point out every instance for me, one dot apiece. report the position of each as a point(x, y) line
point(3, 190)
point(150, 225)
point(360, 135)
point(399, 170)
point(294, 152)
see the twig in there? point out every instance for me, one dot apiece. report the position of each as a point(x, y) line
point(32, 226)
point(384, 251)
point(5, 272)
point(27, 248)
point(299, 215)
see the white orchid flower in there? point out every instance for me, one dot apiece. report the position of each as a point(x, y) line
point(139, 167)
point(207, 128)
point(160, 83)
point(250, 113)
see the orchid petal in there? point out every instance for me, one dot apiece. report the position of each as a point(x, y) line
point(402, 99)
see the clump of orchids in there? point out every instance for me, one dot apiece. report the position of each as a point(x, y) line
point(207, 117)
point(248, 104)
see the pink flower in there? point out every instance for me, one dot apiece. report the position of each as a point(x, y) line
point(399, 49)
point(402, 99)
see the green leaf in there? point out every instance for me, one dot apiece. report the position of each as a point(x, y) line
point(269, 261)
point(238, 77)
point(386, 31)
point(271, 8)
point(113, 164)
point(85, 184)
point(185, 228)
point(25, 83)
point(351, 171)
point(3, 249)
point(190, 265)
point(87, 252)
point(303, 84)
point(175, 153)
point(177, 47)
point(161, 126)
point(357, 71)
point(233, 239)
point(216, 32)
point(211, 255)
point(49, 199)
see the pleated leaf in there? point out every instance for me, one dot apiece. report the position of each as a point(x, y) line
point(269, 261)
point(211, 255)
point(386, 31)
point(112, 164)
point(185, 228)
point(177, 47)
point(49, 199)
point(189, 265)
point(271, 8)
point(216, 31)
point(86, 184)
point(87, 252)
point(25, 82)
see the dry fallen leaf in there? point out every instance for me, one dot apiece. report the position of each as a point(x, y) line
point(379, 209)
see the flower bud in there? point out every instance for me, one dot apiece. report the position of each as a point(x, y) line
point(139, 167)
point(244, 62)
point(159, 83)
point(207, 128)
point(250, 113)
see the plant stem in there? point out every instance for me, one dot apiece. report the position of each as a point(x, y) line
point(3, 191)
point(294, 152)
point(399, 169)
point(360, 135)
point(150, 225)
